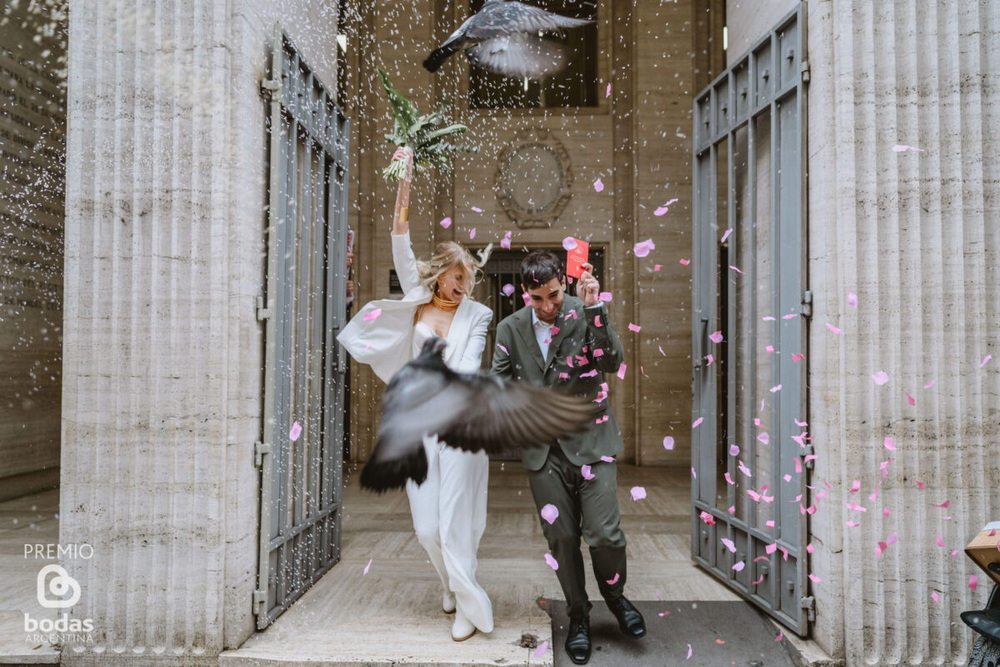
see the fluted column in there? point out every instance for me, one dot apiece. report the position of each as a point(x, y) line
point(162, 348)
point(904, 213)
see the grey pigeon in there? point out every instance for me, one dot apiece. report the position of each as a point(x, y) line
point(503, 37)
point(470, 411)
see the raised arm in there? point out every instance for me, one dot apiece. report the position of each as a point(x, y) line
point(401, 217)
point(403, 258)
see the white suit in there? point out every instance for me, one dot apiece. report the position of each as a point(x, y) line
point(449, 508)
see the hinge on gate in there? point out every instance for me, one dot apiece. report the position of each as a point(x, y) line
point(807, 303)
point(804, 70)
point(262, 312)
point(807, 451)
point(809, 604)
point(259, 450)
point(271, 86)
point(259, 599)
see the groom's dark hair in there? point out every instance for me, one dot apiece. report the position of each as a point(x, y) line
point(539, 267)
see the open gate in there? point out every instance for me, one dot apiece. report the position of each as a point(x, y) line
point(750, 447)
point(300, 454)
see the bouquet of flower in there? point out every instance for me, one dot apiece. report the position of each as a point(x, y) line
point(420, 133)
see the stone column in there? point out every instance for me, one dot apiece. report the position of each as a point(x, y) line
point(903, 213)
point(164, 262)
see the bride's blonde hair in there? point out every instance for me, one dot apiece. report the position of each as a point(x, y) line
point(447, 255)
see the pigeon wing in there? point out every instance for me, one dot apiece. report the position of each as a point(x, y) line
point(519, 55)
point(505, 18)
point(399, 452)
point(500, 416)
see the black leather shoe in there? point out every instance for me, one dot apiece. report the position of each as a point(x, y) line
point(629, 618)
point(578, 640)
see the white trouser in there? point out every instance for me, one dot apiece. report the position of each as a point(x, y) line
point(449, 517)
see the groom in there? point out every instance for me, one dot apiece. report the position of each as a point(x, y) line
point(568, 343)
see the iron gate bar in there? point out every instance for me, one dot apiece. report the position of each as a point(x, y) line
point(304, 369)
point(761, 92)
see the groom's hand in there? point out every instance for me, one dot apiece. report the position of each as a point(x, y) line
point(588, 288)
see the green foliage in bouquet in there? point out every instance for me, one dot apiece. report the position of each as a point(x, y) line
point(421, 133)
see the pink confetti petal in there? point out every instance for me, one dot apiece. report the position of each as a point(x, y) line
point(880, 378)
point(707, 518)
point(726, 235)
point(585, 472)
point(372, 315)
point(668, 442)
point(736, 269)
point(505, 241)
point(796, 358)
point(889, 443)
point(689, 652)
point(911, 400)
point(709, 359)
point(855, 486)
point(685, 262)
point(612, 582)
point(781, 635)
point(764, 437)
point(728, 544)
point(776, 388)
point(813, 578)
point(973, 582)
point(553, 563)
point(526, 298)
point(550, 513)
point(542, 648)
point(569, 243)
point(938, 540)
point(598, 185)
point(367, 567)
point(833, 328)
point(944, 504)
point(697, 421)
point(790, 316)
point(739, 566)
point(643, 248)
point(934, 596)
point(607, 93)
point(734, 450)
point(608, 459)
point(621, 371)
point(852, 299)
point(605, 296)
point(477, 209)
point(986, 360)
point(899, 148)
point(929, 384)
point(634, 327)
point(446, 223)
point(472, 233)
point(295, 432)
point(507, 289)
point(715, 337)
point(638, 493)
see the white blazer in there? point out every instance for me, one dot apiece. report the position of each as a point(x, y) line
point(385, 342)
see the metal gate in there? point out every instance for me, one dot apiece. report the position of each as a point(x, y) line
point(301, 451)
point(750, 446)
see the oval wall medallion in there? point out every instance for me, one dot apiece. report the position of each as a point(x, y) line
point(534, 179)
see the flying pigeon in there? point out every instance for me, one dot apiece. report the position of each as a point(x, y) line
point(504, 37)
point(470, 411)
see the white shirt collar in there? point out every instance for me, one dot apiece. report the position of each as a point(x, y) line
point(537, 322)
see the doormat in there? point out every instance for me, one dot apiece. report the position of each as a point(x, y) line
point(692, 634)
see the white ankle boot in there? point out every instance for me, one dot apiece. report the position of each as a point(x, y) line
point(448, 602)
point(462, 628)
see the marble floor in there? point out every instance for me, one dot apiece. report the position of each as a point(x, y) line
point(391, 615)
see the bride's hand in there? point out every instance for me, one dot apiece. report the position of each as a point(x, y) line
point(405, 153)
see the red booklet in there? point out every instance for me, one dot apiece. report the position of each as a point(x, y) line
point(576, 258)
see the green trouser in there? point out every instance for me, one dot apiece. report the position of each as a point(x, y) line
point(588, 507)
